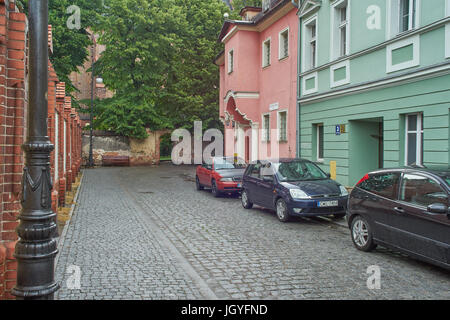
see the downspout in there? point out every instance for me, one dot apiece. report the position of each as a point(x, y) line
point(298, 131)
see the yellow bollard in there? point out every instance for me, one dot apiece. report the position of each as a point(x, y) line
point(333, 170)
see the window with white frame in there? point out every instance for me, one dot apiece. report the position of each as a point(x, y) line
point(266, 53)
point(230, 61)
point(403, 16)
point(319, 142)
point(283, 44)
point(447, 39)
point(310, 44)
point(414, 139)
point(282, 125)
point(266, 128)
point(340, 33)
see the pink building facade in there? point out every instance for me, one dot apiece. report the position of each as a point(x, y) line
point(258, 87)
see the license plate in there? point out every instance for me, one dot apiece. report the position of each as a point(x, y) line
point(239, 185)
point(333, 203)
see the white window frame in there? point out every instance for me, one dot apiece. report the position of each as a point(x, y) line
point(339, 65)
point(314, 75)
point(280, 42)
point(393, 18)
point(231, 61)
point(306, 65)
point(415, 41)
point(264, 52)
point(318, 126)
point(65, 146)
point(279, 124)
point(419, 134)
point(447, 38)
point(264, 129)
point(336, 26)
point(56, 146)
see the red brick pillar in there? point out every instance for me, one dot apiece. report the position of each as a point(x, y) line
point(2, 270)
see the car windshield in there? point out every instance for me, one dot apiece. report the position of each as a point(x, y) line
point(298, 171)
point(229, 163)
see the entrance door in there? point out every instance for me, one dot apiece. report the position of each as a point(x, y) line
point(365, 147)
point(247, 149)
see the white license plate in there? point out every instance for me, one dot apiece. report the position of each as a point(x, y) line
point(333, 203)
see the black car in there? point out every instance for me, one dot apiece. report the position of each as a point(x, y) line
point(406, 209)
point(293, 187)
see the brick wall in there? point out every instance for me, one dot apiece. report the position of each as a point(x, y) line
point(13, 113)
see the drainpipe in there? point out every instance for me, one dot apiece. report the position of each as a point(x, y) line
point(299, 53)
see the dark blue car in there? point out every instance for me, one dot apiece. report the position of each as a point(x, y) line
point(293, 187)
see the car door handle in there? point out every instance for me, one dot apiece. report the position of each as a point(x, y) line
point(399, 210)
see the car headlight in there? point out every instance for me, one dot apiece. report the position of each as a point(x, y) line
point(226, 179)
point(298, 194)
point(344, 191)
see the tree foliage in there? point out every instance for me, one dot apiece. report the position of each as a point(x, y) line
point(159, 60)
point(70, 45)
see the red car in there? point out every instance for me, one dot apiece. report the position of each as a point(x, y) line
point(224, 175)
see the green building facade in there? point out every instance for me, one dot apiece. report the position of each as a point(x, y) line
point(374, 84)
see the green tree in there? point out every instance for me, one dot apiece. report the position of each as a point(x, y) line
point(159, 54)
point(70, 45)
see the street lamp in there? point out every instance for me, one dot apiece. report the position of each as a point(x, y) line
point(37, 248)
point(91, 115)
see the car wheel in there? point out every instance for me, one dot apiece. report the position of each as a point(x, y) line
point(362, 234)
point(282, 211)
point(197, 184)
point(214, 190)
point(245, 200)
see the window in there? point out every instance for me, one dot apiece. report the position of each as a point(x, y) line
point(422, 191)
point(403, 16)
point(403, 54)
point(266, 128)
point(266, 5)
point(385, 185)
point(230, 61)
point(414, 139)
point(282, 125)
point(254, 171)
point(310, 44)
point(283, 44)
point(320, 140)
point(407, 13)
point(266, 53)
point(340, 29)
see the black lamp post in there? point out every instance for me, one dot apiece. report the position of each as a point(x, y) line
point(91, 113)
point(36, 250)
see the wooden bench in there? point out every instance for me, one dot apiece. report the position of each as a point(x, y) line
point(123, 161)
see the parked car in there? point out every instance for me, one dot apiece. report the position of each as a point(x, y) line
point(293, 187)
point(223, 175)
point(405, 209)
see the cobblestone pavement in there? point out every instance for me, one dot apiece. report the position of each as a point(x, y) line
point(146, 233)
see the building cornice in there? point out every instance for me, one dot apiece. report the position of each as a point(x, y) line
point(407, 77)
point(427, 28)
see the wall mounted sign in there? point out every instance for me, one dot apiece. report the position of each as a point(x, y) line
point(340, 128)
point(274, 106)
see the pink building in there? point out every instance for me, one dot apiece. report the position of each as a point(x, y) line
point(258, 86)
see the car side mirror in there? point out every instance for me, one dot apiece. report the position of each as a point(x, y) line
point(329, 175)
point(438, 208)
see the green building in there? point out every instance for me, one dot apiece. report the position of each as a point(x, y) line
point(374, 84)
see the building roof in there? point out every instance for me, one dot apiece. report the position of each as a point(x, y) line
point(275, 5)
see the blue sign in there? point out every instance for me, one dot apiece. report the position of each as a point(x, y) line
point(338, 130)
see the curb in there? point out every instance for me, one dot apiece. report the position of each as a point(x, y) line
point(66, 226)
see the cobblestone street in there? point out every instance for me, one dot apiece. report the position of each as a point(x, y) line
point(146, 233)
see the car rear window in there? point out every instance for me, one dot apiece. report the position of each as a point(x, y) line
point(382, 184)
